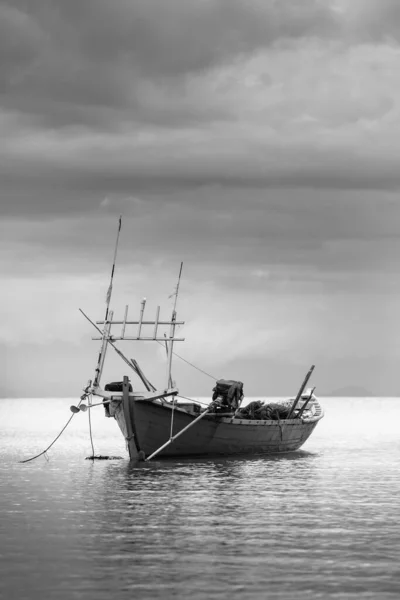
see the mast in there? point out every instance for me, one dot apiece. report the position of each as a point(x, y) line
point(177, 287)
point(172, 332)
point(109, 291)
point(142, 323)
point(103, 350)
point(107, 320)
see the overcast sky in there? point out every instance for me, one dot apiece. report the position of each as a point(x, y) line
point(256, 140)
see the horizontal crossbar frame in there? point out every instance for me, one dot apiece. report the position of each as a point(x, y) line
point(113, 338)
point(141, 322)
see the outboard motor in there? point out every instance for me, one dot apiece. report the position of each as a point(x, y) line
point(228, 393)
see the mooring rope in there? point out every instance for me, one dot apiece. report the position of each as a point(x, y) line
point(90, 422)
point(90, 425)
point(54, 441)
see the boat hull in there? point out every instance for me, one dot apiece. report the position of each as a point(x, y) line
point(150, 423)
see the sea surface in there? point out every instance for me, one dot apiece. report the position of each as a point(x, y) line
point(323, 522)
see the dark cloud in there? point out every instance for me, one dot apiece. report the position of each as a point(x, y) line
point(373, 20)
point(90, 61)
point(101, 64)
point(247, 237)
point(125, 98)
point(20, 40)
point(184, 36)
point(64, 182)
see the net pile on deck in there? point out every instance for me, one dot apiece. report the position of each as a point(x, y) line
point(259, 410)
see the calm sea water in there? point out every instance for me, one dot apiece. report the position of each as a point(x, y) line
point(323, 522)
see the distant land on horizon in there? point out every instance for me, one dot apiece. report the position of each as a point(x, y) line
point(352, 390)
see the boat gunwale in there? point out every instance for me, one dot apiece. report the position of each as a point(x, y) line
point(236, 421)
point(229, 420)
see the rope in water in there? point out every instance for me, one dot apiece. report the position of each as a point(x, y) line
point(43, 453)
point(53, 442)
point(90, 426)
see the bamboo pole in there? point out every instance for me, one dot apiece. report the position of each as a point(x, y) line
point(170, 350)
point(305, 404)
point(173, 438)
point(300, 392)
point(177, 287)
point(156, 322)
point(124, 323)
point(166, 350)
point(172, 330)
point(143, 304)
point(148, 385)
point(144, 322)
point(132, 444)
point(103, 350)
point(126, 360)
point(109, 291)
point(117, 338)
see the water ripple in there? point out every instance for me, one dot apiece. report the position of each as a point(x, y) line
point(319, 523)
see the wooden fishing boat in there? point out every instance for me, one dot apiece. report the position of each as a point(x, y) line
point(155, 422)
point(149, 425)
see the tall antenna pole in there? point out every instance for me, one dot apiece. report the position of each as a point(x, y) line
point(109, 291)
point(107, 323)
point(177, 287)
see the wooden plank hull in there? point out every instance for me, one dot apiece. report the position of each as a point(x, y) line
point(212, 436)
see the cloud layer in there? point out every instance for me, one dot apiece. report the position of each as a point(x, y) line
point(142, 96)
point(256, 141)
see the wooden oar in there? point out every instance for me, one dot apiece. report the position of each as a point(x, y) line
point(173, 438)
point(300, 392)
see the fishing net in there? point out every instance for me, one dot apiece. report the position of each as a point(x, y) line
point(270, 411)
point(258, 410)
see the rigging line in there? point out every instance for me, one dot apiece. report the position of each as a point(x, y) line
point(191, 364)
point(161, 343)
point(54, 441)
point(128, 362)
point(191, 400)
